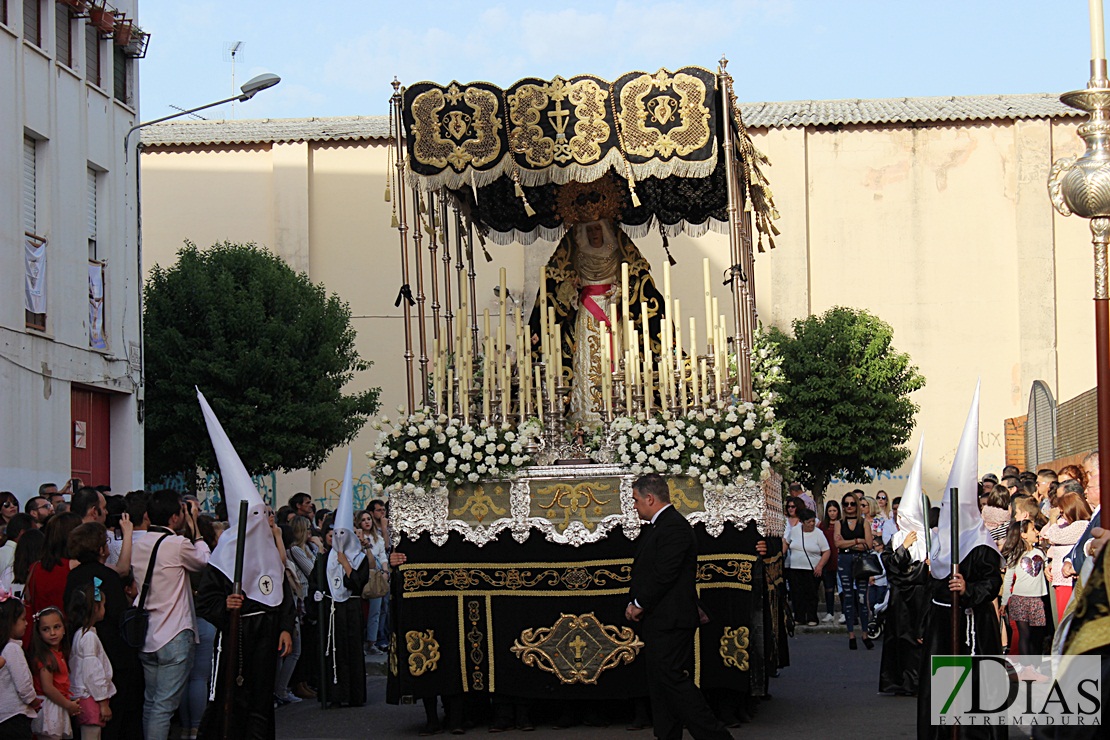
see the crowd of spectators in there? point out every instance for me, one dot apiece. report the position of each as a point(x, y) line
point(1041, 522)
point(73, 560)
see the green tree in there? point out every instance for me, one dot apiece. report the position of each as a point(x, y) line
point(270, 351)
point(846, 398)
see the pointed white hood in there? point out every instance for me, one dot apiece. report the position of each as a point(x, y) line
point(912, 516)
point(964, 477)
point(262, 569)
point(343, 538)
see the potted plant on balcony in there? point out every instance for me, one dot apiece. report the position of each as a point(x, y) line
point(102, 18)
point(123, 31)
point(78, 6)
point(136, 47)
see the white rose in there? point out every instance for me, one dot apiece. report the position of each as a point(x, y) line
point(387, 470)
point(491, 448)
point(503, 460)
point(424, 443)
point(480, 441)
point(723, 470)
point(402, 466)
point(394, 454)
point(640, 457)
point(757, 443)
point(437, 458)
point(410, 446)
point(510, 436)
point(416, 475)
point(473, 477)
point(478, 456)
point(710, 433)
point(745, 465)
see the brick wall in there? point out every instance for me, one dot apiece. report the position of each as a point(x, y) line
point(1015, 440)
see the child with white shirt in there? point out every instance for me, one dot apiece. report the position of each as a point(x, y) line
point(18, 701)
point(90, 670)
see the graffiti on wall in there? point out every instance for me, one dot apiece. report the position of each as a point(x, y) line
point(206, 487)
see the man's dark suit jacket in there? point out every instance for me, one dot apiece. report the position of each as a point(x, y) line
point(664, 573)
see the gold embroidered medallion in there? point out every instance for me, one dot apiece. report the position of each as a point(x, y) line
point(577, 648)
point(734, 648)
point(423, 650)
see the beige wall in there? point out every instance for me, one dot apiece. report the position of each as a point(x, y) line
point(944, 231)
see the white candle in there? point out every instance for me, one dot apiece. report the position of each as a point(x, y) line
point(694, 361)
point(625, 305)
point(543, 313)
point(678, 353)
point(539, 394)
point(647, 366)
point(708, 303)
point(1098, 37)
point(627, 383)
point(704, 379)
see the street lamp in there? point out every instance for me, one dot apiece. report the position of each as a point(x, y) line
point(248, 90)
point(1081, 185)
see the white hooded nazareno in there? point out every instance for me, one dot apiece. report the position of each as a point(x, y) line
point(343, 538)
point(262, 568)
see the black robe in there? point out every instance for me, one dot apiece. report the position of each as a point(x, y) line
point(252, 716)
point(345, 672)
point(127, 671)
point(982, 571)
point(904, 621)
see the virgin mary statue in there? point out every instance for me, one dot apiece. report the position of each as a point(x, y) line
point(584, 281)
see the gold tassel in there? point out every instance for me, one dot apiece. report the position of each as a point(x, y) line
point(635, 198)
point(394, 223)
point(517, 190)
point(423, 208)
point(528, 209)
point(388, 194)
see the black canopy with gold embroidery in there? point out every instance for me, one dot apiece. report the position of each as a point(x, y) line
point(660, 133)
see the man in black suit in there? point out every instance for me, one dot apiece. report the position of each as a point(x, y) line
point(665, 601)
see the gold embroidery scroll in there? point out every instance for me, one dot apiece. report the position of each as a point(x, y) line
point(668, 115)
point(423, 649)
point(558, 122)
point(734, 648)
point(456, 127)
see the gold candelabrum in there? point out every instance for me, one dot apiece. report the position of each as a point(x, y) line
point(1081, 185)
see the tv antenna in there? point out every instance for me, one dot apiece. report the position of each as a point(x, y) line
point(191, 115)
point(233, 52)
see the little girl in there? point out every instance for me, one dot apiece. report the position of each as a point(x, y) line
point(1024, 586)
point(51, 675)
point(18, 703)
point(91, 673)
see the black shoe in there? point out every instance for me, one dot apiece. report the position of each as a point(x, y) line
point(523, 721)
point(868, 643)
point(852, 643)
point(433, 727)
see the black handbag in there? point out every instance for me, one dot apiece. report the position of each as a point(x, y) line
point(866, 566)
point(134, 621)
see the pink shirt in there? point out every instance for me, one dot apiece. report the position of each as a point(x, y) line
point(170, 597)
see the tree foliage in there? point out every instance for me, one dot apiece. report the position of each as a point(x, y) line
point(270, 350)
point(846, 400)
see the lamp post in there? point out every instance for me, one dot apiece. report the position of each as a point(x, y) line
point(1081, 185)
point(249, 89)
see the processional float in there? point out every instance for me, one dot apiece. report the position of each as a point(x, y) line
point(509, 473)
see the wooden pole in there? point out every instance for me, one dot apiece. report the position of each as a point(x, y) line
point(954, 498)
point(231, 651)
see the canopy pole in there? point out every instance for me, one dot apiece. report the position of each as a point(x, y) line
point(471, 275)
point(402, 230)
point(739, 271)
point(433, 249)
point(449, 313)
point(421, 327)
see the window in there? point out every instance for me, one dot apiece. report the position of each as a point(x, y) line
point(32, 21)
point(4, 12)
point(34, 303)
point(63, 32)
point(92, 54)
point(119, 74)
point(91, 215)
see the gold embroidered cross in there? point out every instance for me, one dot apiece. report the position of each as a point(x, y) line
point(559, 118)
point(578, 643)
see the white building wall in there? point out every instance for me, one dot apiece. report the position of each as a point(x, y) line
point(79, 125)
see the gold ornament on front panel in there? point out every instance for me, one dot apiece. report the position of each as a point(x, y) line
point(734, 648)
point(423, 651)
point(577, 648)
point(578, 502)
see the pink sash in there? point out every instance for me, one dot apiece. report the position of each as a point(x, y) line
point(587, 300)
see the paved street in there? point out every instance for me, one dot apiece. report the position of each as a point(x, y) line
point(827, 691)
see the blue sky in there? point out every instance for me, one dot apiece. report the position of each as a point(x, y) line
point(337, 57)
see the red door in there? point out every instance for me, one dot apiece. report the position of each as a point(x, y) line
point(90, 436)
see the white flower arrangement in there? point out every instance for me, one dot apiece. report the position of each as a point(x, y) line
point(425, 449)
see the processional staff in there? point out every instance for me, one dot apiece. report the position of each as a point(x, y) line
point(232, 662)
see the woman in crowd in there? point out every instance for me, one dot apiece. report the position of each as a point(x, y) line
point(302, 554)
point(373, 544)
point(27, 552)
point(829, 576)
point(46, 580)
point(806, 558)
point(793, 508)
point(1061, 535)
point(883, 511)
point(88, 546)
point(876, 588)
point(1072, 472)
point(9, 507)
point(853, 539)
point(1024, 587)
